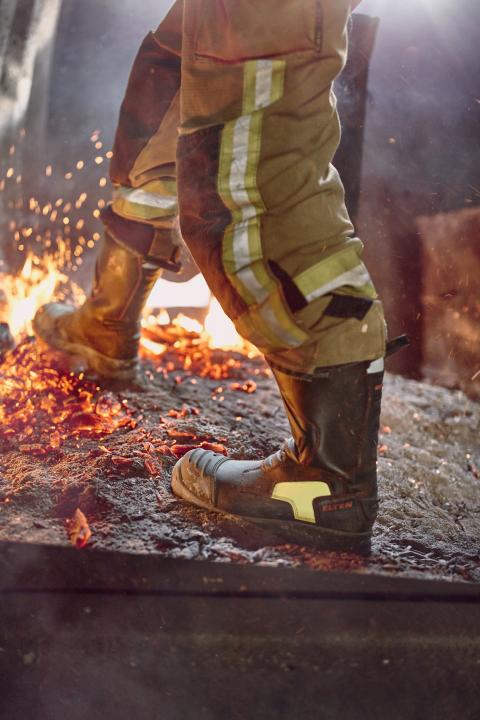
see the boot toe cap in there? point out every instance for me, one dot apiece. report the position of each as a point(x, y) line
point(46, 321)
point(193, 477)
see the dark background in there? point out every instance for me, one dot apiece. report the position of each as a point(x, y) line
point(424, 94)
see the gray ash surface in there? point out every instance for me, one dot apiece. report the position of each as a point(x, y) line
point(429, 475)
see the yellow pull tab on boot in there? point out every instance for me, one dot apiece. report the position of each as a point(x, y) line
point(300, 495)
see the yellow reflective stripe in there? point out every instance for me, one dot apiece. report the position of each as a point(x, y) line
point(269, 326)
point(261, 275)
point(156, 199)
point(300, 496)
point(252, 326)
point(243, 262)
point(264, 82)
point(144, 196)
point(253, 275)
point(366, 291)
point(134, 211)
point(249, 88)
point(139, 196)
point(164, 186)
point(237, 185)
point(241, 158)
point(268, 318)
point(337, 271)
point(276, 315)
point(253, 161)
point(225, 164)
point(278, 80)
point(319, 275)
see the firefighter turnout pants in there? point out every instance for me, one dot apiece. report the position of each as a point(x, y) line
point(229, 126)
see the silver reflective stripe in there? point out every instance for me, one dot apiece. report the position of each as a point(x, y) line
point(376, 366)
point(238, 186)
point(358, 277)
point(248, 279)
point(247, 211)
point(142, 197)
point(241, 245)
point(263, 88)
point(238, 171)
point(270, 318)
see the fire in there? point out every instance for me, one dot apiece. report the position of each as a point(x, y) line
point(220, 329)
point(42, 403)
point(65, 223)
point(195, 293)
point(188, 324)
point(217, 332)
point(38, 282)
point(42, 280)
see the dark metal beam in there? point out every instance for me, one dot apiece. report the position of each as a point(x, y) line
point(103, 636)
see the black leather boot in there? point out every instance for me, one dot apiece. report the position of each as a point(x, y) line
point(105, 331)
point(320, 489)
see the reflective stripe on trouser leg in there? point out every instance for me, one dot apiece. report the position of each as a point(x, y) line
point(273, 236)
point(268, 322)
point(243, 258)
point(154, 203)
point(144, 219)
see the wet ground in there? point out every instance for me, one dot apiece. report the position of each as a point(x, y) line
point(429, 469)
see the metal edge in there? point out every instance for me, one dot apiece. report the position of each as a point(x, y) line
point(41, 568)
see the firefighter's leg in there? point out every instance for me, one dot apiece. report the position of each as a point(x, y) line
point(140, 239)
point(262, 211)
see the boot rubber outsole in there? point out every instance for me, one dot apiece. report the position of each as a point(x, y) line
point(122, 370)
point(293, 531)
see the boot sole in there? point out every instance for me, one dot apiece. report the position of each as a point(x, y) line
point(123, 370)
point(293, 531)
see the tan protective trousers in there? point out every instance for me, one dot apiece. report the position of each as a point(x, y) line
point(229, 123)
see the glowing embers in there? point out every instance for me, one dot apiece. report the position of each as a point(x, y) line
point(41, 404)
point(195, 293)
point(185, 348)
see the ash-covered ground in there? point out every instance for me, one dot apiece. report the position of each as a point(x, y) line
point(429, 470)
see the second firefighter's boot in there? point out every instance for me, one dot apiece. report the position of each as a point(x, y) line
point(105, 331)
point(320, 489)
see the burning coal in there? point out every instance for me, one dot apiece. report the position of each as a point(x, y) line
point(42, 402)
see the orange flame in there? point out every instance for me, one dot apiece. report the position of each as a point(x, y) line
point(38, 282)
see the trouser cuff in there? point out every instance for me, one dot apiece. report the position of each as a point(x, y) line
point(154, 245)
point(320, 372)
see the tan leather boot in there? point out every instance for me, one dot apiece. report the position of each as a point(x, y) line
point(320, 489)
point(105, 331)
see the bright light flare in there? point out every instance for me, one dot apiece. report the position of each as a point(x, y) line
point(192, 293)
point(188, 324)
point(221, 330)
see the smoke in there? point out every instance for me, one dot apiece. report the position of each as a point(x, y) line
point(74, 74)
point(95, 48)
point(422, 152)
point(422, 133)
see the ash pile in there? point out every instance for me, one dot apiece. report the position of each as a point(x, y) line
point(90, 463)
